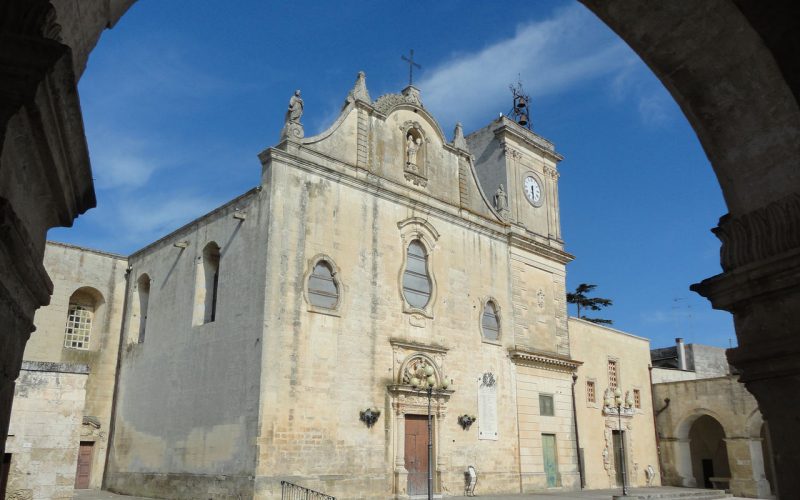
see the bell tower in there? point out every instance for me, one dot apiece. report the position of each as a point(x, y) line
point(512, 159)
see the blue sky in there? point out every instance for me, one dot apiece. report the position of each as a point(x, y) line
point(180, 97)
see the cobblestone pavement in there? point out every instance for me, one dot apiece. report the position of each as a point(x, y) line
point(555, 495)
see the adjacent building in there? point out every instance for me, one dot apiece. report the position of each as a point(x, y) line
point(613, 361)
point(711, 431)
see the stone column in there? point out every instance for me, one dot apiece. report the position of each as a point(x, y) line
point(677, 452)
point(741, 464)
point(763, 488)
point(760, 285)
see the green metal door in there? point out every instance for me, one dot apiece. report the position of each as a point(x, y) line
point(550, 462)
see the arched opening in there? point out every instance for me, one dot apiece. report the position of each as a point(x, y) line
point(490, 321)
point(139, 309)
point(82, 312)
point(143, 295)
point(207, 285)
point(708, 451)
point(323, 290)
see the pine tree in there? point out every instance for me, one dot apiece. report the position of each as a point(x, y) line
point(581, 301)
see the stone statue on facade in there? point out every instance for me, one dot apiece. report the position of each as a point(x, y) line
point(501, 199)
point(295, 110)
point(412, 146)
point(292, 128)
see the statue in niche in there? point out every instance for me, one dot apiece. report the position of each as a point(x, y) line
point(412, 147)
point(295, 110)
point(500, 199)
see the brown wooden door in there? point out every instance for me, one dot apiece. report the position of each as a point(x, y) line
point(416, 453)
point(82, 475)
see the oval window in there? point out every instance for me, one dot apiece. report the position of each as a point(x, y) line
point(416, 282)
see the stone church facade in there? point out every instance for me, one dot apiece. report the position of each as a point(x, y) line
point(286, 334)
point(366, 251)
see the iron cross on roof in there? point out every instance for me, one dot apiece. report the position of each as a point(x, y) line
point(411, 64)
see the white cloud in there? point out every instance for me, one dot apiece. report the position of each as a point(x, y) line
point(548, 56)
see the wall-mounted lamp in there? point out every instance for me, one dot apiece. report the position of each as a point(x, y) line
point(370, 416)
point(238, 214)
point(465, 421)
point(181, 244)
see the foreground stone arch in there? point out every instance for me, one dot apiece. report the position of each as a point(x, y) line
point(731, 65)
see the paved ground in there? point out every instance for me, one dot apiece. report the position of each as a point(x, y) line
point(556, 495)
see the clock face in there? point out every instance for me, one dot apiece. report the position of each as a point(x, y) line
point(533, 192)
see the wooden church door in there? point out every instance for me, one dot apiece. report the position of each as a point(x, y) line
point(416, 454)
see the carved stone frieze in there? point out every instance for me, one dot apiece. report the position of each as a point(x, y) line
point(512, 153)
point(760, 234)
point(387, 102)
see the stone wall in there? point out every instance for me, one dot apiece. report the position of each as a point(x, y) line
point(594, 345)
point(45, 430)
point(100, 276)
point(187, 408)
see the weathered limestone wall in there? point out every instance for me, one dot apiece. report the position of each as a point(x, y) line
point(45, 430)
point(187, 410)
point(727, 401)
point(707, 361)
point(595, 345)
point(334, 365)
point(102, 276)
point(671, 375)
point(533, 380)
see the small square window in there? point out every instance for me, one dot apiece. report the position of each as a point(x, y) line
point(590, 393)
point(546, 405)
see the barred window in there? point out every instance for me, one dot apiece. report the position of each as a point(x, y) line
point(322, 289)
point(612, 374)
point(416, 282)
point(637, 398)
point(546, 405)
point(590, 392)
point(79, 326)
point(490, 323)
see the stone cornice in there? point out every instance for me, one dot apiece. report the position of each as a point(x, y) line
point(21, 260)
point(528, 138)
point(415, 346)
point(541, 249)
point(549, 361)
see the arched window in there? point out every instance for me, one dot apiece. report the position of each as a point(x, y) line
point(143, 295)
point(322, 289)
point(416, 282)
point(81, 311)
point(207, 284)
point(490, 321)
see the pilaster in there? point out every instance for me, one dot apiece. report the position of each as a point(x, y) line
point(760, 286)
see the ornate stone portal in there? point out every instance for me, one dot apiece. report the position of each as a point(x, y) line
point(406, 400)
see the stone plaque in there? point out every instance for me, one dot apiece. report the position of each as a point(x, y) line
point(487, 407)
